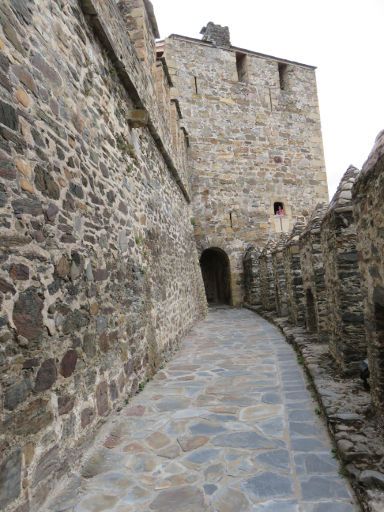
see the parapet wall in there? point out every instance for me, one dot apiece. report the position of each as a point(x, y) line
point(100, 276)
point(334, 274)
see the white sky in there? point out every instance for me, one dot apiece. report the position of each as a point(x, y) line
point(343, 38)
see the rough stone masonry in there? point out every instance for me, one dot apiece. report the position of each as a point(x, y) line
point(333, 280)
point(121, 162)
point(99, 270)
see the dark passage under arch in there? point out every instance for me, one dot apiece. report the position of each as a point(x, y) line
point(216, 275)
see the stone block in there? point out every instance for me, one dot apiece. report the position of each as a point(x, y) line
point(8, 116)
point(27, 315)
point(138, 118)
point(46, 376)
point(17, 393)
point(10, 478)
point(102, 401)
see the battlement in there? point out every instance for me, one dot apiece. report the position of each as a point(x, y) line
point(216, 34)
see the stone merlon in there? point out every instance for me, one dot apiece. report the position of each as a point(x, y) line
point(216, 34)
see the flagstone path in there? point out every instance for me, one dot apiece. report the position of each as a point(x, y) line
point(227, 426)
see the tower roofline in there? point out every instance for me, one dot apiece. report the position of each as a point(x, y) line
point(237, 49)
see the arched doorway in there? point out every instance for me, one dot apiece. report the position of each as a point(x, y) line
point(216, 275)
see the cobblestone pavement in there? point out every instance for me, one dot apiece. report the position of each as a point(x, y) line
point(227, 426)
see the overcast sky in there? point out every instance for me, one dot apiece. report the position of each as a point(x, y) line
point(343, 38)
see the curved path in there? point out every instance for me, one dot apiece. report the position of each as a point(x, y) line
point(227, 426)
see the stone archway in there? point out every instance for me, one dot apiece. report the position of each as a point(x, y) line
point(215, 269)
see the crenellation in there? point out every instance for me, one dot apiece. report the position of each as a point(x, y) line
point(342, 276)
point(312, 268)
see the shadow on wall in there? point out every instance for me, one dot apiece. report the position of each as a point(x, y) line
point(216, 273)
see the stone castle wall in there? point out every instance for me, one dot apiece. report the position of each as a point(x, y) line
point(99, 270)
point(334, 275)
point(345, 329)
point(254, 127)
point(368, 194)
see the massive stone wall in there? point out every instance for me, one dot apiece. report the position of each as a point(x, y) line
point(342, 278)
point(99, 270)
point(368, 194)
point(254, 127)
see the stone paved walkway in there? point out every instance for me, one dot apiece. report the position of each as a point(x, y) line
point(227, 426)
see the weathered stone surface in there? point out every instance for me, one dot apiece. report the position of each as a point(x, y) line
point(8, 116)
point(27, 207)
point(47, 465)
point(74, 321)
point(87, 415)
point(6, 287)
point(32, 419)
point(17, 393)
point(68, 363)
point(65, 404)
point(188, 498)
point(10, 478)
point(46, 375)
point(27, 315)
point(45, 182)
point(372, 478)
point(268, 485)
point(19, 272)
point(102, 398)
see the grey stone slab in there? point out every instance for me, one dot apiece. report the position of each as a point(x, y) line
point(271, 398)
point(249, 440)
point(304, 429)
point(316, 463)
point(323, 487)
point(274, 458)
point(301, 415)
point(308, 444)
point(206, 429)
point(268, 485)
point(203, 456)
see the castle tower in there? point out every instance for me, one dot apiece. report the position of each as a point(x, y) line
point(256, 155)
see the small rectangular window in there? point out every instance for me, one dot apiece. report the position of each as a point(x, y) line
point(242, 67)
point(283, 75)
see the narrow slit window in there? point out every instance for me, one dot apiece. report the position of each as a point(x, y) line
point(230, 219)
point(195, 82)
point(283, 68)
point(242, 67)
point(278, 208)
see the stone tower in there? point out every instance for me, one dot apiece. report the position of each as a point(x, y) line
point(256, 154)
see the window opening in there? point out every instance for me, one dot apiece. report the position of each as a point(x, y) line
point(283, 75)
point(230, 219)
point(278, 209)
point(196, 89)
point(241, 66)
